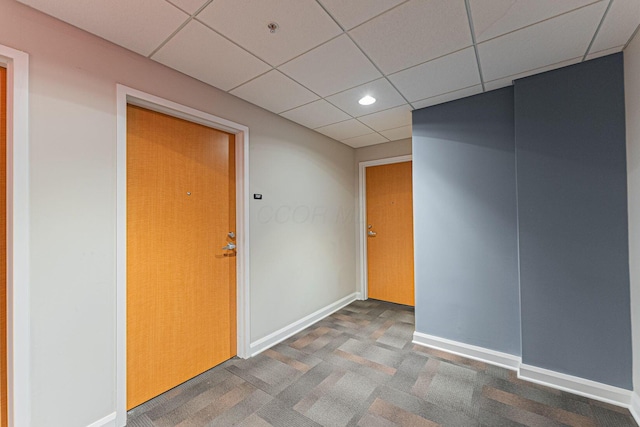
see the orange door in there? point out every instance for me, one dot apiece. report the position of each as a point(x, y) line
point(390, 233)
point(3, 247)
point(180, 282)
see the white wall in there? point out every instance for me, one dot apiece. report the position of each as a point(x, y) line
point(401, 147)
point(302, 245)
point(298, 265)
point(632, 99)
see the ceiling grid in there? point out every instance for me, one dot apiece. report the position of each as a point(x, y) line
point(191, 17)
point(475, 42)
point(327, 54)
point(597, 30)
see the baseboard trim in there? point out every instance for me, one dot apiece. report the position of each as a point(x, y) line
point(108, 421)
point(504, 360)
point(576, 385)
point(278, 336)
point(634, 408)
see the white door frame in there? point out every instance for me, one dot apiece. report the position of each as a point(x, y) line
point(362, 230)
point(126, 95)
point(18, 329)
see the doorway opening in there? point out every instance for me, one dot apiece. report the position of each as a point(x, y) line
point(180, 251)
point(386, 230)
point(192, 202)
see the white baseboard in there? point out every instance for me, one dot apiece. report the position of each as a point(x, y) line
point(359, 296)
point(108, 421)
point(634, 408)
point(280, 335)
point(504, 360)
point(576, 385)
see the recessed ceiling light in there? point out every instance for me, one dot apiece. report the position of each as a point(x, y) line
point(367, 100)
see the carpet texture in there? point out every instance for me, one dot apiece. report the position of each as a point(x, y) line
point(358, 367)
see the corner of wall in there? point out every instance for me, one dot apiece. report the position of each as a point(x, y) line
point(282, 334)
point(632, 108)
point(503, 360)
point(107, 421)
point(556, 380)
point(634, 407)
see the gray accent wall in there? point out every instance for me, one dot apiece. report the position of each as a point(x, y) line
point(572, 203)
point(521, 229)
point(465, 222)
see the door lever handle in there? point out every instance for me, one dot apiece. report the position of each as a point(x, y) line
point(230, 246)
point(371, 233)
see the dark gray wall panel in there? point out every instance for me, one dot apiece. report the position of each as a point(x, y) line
point(572, 204)
point(465, 221)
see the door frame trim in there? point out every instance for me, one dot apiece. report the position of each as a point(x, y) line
point(125, 96)
point(17, 197)
point(362, 229)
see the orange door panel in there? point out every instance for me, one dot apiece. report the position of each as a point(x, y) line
point(3, 247)
point(390, 233)
point(180, 282)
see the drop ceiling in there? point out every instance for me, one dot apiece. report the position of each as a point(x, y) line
point(327, 54)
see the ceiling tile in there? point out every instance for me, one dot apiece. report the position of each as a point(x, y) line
point(365, 140)
point(492, 18)
point(197, 51)
point(618, 26)
point(549, 42)
point(140, 26)
point(508, 81)
point(275, 92)
point(388, 119)
point(332, 67)
point(605, 52)
point(316, 114)
point(451, 96)
point(303, 25)
point(345, 130)
point(452, 72)
point(355, 12)
point(414, 32)
point(386, 97)
point(190, 6)
point(399, 133)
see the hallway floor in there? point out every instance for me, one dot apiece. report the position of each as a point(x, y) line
point(358, 367)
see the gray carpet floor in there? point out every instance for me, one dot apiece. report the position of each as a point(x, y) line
point(358, 367)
